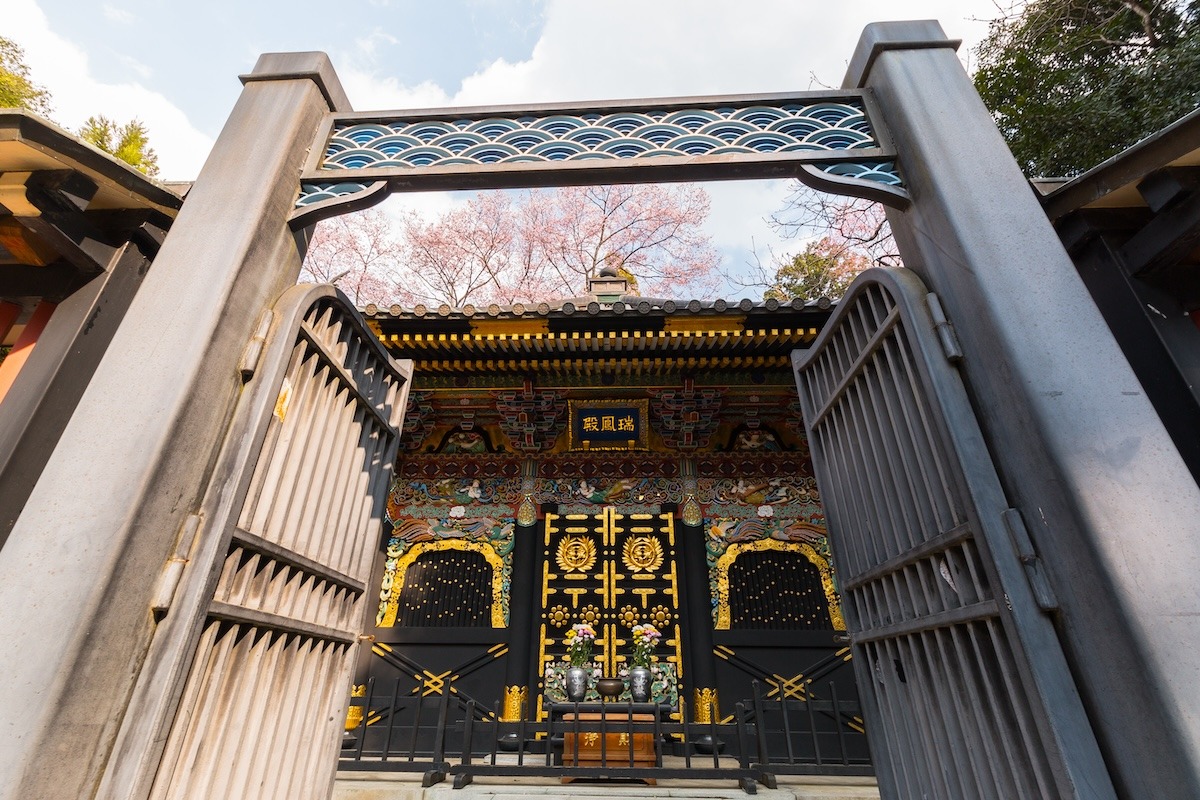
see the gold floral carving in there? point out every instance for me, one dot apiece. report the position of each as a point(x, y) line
point(576, 554)
point(704, 703)
point(642, 554)
point(660, 615)
point(514, 703)
point(417, 550)
point(730, 555)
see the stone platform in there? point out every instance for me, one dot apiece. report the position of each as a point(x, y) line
point(392, 786)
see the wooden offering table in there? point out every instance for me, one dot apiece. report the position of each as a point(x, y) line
point(608, 734)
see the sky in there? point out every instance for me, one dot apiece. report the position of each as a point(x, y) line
point(175, 65)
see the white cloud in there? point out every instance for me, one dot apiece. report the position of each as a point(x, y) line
point(368, 45)
point(63, 68)
point(638, 49)
point(114, 14)
point(370, 92)
point(143, 71)
point(706, 47)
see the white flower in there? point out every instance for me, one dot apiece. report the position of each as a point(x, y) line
point(766, 511)
point(458, 512)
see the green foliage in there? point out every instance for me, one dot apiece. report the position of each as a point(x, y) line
point(824, 268)
point(1073, 82)
point(129, 142)
point(16, 89)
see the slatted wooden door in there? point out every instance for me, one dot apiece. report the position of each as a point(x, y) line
point(966, 690)
point(263, 701)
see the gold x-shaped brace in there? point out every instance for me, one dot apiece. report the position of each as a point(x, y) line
point(432, 684)
point(790, 687)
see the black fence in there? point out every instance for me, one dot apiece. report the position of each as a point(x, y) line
point(441, 735)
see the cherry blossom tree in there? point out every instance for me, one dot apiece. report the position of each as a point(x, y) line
point(477, 252)
point(359, 253)
point(654, 232)
point(529, 246)
point(842, 237)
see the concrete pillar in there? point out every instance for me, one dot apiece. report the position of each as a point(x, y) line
point(80, 566)
point(1109, 503)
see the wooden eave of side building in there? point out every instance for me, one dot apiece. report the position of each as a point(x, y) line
point(65, 207)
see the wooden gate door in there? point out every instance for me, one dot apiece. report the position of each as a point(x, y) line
point(272, 634)
point(965, 687)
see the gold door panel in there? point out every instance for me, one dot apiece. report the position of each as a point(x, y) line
point(613, 571)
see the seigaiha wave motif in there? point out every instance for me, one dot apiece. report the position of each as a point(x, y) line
point(313, 193)
point(796, 127)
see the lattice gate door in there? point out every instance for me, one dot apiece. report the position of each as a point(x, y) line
point(263, 699)
point(966, 690)
point(612, 570)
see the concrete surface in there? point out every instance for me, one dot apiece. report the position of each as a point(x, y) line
point(391, 786)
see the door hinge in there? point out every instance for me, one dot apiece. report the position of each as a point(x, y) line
point(254, 347)
point(168, 579)
point(945, 331)
point(1035, 573)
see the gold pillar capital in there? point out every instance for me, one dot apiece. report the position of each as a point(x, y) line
point(515, 698)
point(706, 707)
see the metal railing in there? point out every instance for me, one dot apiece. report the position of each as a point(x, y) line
point(441, 735)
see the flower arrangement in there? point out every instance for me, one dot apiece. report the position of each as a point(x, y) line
point(645, 639)
point(579, 643)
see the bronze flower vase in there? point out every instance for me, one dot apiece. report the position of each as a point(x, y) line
point(576, 680)
point(639, 684)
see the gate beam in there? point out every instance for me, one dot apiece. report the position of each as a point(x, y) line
point(1110, 505)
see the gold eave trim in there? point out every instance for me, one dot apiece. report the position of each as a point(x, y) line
point(624, 365)
point(551, 343)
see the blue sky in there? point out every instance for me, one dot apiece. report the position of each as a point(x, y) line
point(174, 65)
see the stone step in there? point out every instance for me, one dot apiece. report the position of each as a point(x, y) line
point(392, 786)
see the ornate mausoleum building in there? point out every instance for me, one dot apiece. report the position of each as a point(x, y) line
point(614, 460)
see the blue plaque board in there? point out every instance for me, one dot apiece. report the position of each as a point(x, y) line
point(608, 424)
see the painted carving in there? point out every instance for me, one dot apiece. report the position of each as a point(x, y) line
point(727, 538)
point(756, 440)
point(464, 442)
point(492, 538)
point(687, 417)
point(453, 491)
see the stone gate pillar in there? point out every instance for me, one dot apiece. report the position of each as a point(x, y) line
point(1108, 502)
point(80, 570)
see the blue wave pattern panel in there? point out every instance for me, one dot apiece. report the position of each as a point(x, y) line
point(820, 126)
point(313, 193)
point(879, 171)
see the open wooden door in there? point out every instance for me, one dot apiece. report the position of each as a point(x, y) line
point(244, 690)
point(966, 689)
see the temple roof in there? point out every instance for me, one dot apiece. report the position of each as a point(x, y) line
point(634, 334)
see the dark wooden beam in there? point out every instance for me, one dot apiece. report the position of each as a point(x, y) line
point(1163, 187)
point(53, 282)
point(1173, 142)
point(1157, 339)
point(1161, 249)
